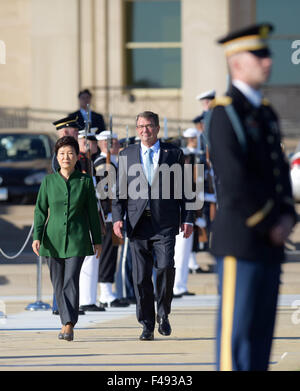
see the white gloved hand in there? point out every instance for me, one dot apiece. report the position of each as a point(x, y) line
point(200, 222)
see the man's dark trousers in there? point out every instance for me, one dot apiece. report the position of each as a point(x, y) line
point(144, 245)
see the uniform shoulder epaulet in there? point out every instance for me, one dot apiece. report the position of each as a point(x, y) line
point(221, 101)
point(265, 102)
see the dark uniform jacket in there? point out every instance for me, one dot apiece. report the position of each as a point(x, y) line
point(253, 174)
point(97, 120)
point(167, 214)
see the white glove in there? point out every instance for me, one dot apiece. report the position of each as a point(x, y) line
point(200, 222)
point(108, 218)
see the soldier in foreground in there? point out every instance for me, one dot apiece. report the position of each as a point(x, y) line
point(255, 207)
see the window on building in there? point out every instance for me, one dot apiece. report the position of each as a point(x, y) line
point(284, 15)
point(152, 43)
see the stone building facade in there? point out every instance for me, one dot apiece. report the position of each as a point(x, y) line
point(54, 48)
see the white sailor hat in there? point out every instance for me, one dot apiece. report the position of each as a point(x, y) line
point(106, 135)
point(190, 132)
point(90, 135)
point(206, 95)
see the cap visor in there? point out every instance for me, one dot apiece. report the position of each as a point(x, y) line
point(262, 53)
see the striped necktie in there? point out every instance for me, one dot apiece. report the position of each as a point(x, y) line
point(149, 165)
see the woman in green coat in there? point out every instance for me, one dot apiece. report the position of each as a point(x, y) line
point(66, 218)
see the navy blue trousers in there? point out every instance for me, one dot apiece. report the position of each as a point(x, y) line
point(246, 315)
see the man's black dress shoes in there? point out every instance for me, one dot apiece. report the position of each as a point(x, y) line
point(164, 327)
point(207, 269)
point(147, 335)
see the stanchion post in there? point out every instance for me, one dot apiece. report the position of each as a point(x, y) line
point(38, 305)
point(124, 256)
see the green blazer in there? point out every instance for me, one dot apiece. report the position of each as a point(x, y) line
point(65, 214)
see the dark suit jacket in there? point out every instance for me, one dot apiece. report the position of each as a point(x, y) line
point(253, 174)
point(97, 120)
point(167, 214)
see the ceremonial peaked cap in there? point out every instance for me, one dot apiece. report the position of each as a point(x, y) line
point(251, 39)
point(125, 141)
point(66, 122)
point(206, 95)
point(199, 118)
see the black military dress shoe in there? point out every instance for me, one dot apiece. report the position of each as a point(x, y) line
point(115, 303)
point(177, 296)
point(147, 335)
point(164, 327)
point(91, 307)
point(207, 269)
point(187, 293)
point(131, 300)
point(195, 271)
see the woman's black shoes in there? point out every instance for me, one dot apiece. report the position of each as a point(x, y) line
point(67, 334)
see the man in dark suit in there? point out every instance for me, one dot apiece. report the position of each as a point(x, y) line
point(152, 221)
point(97, 121)
point(255, 212)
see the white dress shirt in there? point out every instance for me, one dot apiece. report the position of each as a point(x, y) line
point(155, 157)
point(254, 96)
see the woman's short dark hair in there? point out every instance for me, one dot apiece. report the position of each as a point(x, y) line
point(65, 141)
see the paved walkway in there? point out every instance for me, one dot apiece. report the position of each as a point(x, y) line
point(108, 341)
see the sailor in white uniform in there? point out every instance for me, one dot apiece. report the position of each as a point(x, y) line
point(183, 246)
point(88, 279)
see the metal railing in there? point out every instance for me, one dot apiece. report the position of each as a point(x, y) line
point(41, 119)
point(38, 304)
